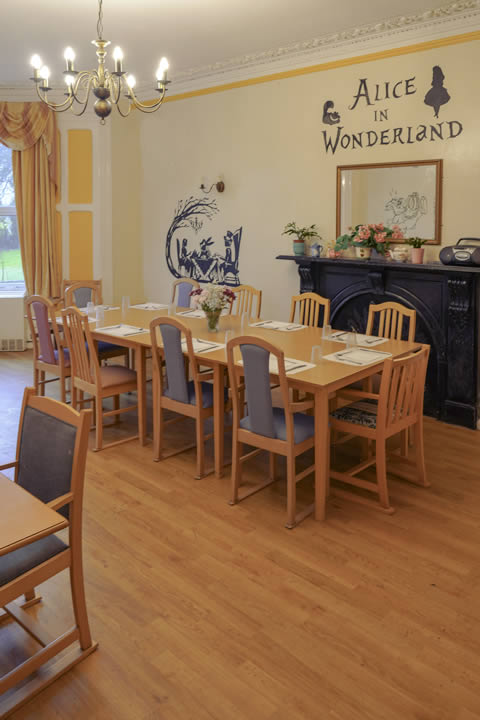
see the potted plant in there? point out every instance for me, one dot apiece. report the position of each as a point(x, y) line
point(300, 235)
point(417, 249)
point(368, 237)
point(212, 299)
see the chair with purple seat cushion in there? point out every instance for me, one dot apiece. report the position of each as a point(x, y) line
point(98, 381)
point(181, 291)
point(175, 392)
point(285, 430)
point(50, 465)
point(49, 352)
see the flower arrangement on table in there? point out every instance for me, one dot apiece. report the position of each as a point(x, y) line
point(372, 235)
point(212, 300)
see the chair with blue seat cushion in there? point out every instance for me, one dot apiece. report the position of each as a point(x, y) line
point(98, 381)
point(397, 408)
point(172, 390)
point(49, 352)
point(181, 290)
point(286, 431)
point(50, 464)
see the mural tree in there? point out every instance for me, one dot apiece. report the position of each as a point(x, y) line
point(186, 209)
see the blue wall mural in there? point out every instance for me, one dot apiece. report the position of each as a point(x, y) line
point(192, 253)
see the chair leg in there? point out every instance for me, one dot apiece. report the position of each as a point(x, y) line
point(236, 470)
point(272, 465)
point(200, 437)
point(404, 443)
point(291, 492)
point(116, 406)
point(79, 604)
point(381, 462)
point(419, 453)
point(63, 389)
point(73, 393)
point(42, 383)
point(36, 378)
point(98, 424)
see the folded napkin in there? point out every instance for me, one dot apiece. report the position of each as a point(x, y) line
point(122, 330)
point(278, 325)
point(202, 346)
point(105, 307)
point(292, 366)
point(358, 356)
point(198, 313)
point(363, 340)
point(149, 306)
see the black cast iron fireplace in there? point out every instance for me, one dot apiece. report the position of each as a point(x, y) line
point(446, 301)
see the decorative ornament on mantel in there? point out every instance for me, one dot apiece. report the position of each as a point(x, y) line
point(109, 87)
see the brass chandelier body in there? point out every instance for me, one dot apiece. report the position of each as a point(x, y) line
point(109, 87)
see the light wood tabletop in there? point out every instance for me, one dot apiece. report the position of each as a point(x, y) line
point(24, 518)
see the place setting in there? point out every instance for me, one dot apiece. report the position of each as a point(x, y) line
point(361, 338)
point(202, 346)
point(278, 325)
point(122, 330)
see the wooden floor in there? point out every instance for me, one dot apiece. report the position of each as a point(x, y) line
point(208, 612)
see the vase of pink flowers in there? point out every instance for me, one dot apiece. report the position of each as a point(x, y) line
point(212, 300)
point(368, 237)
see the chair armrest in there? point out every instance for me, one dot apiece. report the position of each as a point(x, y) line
point(60, 501)
point(13, 464)
point(357, 395)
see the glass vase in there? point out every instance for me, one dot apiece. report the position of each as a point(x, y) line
point(212, 319)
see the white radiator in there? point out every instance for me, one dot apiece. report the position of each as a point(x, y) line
point(12, 320)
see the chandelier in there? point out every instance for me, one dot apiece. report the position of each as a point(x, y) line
point(109, 87)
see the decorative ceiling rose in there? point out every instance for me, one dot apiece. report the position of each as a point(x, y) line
point(109, 87)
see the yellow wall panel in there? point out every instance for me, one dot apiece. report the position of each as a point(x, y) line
point(81, 245)
point(80, 184)
point(59, 170)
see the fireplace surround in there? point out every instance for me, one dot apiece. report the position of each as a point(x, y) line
point(446, 299)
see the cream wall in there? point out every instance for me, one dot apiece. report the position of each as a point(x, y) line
point(266, 140)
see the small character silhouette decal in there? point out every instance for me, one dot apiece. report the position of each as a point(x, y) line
point(330, 116)
point(437, 95)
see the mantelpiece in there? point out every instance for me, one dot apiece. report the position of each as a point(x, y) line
point(446, 299)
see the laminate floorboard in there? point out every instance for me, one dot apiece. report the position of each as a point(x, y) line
point(207, 612)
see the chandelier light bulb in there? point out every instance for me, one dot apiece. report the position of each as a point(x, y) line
point(131, 81)
point(69, 79)
point(44, 73)
point(69, 54)
point(118, 53)
point(36, 62)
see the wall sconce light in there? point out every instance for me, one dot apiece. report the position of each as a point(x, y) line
point(219, 186)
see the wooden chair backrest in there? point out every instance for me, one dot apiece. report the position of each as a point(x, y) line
point(309, 309)
point(246, 297)
point(42, 323)
point(237, 370)
point(401, 390)
point(177, 286)
point(390, 317)
point(52, 412)
point(69, 291)
point(158, 354)
point(83, 357)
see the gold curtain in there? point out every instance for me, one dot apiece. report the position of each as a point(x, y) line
point(30, 130)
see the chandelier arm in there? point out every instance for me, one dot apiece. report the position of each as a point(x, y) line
point(91, 75)
point(57, 107)
point(147, 107)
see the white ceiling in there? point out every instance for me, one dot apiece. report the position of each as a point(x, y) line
point(191, 33)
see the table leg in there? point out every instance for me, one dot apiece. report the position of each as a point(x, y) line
point(218, 417)
point(322, 452)
point(141, 393)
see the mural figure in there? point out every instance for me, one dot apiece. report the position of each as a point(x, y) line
point(330, 116)
point(437, 95)
point(406, 212)
point(201, 260)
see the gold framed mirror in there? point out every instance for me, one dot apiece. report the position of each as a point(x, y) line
point(408, 194)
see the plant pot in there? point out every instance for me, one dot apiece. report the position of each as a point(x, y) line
point(298, 248)
point(213, 317)
point(417, 255)
point(363, 252)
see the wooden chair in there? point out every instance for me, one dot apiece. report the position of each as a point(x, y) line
point(81, 292)
point(182, 289)
point(284, 431)
point(396, 408)
point(99, 381)
point(246, 297)
point(49, 353)
point(190, 398)
point(309, 305)
point(50, 464)
point(389, 319)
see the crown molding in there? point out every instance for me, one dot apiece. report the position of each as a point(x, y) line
point(461, 16)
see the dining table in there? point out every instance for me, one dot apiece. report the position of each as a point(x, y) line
point(321, 379)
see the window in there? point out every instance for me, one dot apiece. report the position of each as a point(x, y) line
point(11, 273)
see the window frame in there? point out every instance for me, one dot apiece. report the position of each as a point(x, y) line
point(9, 287)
